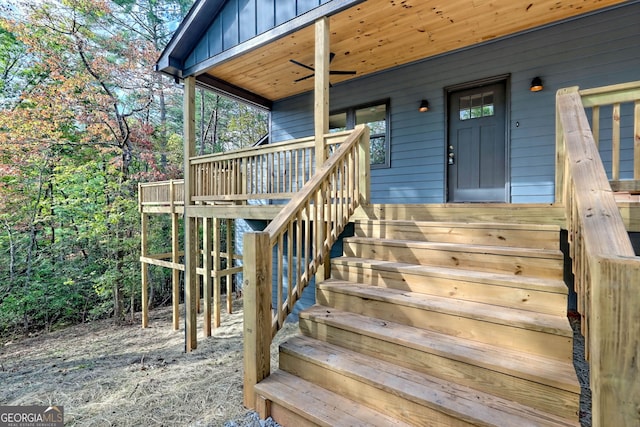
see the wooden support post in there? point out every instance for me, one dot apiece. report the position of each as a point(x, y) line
point(190, 224)
point(321, 120)
point(144, 251)
point(199, 280)
point(257, 312)
point(175, 277)
point(206, 277)
point(321, 89)
point(216, 272)
point(229, 249)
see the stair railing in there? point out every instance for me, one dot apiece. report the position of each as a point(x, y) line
point(295, 246)
point(607, 272)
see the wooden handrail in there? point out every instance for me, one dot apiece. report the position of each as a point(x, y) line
point(606, 270)
point(161, 193)
point(330, 139)
point(300, 238)
point(276, 170)
point(273, 171)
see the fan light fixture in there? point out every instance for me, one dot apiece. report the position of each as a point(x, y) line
point(331, 72)
point(424, 106)
point(536, 85)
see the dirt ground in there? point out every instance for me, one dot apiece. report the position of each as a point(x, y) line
point(128, 376)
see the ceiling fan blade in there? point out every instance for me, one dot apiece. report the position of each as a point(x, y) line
point(343, 73)
point(303, 78)
point(331, 56)
point(301, 64)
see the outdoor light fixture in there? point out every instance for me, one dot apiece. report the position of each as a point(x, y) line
point(536, 85)
point(424, 106)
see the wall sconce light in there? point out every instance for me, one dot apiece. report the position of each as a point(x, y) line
point(536, 85)
point(424, 106)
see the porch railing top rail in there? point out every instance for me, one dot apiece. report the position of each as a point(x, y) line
point(609, 95)
point(616, 109)
point(161, 193)
point(307, 142)
point(238, 176)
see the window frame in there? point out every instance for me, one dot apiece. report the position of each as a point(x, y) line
point(351, 123)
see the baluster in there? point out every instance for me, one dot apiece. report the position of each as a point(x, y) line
point(280, 275)
point(290, 281)
point(615, 143)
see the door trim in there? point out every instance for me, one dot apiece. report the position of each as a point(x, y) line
point(502, 78)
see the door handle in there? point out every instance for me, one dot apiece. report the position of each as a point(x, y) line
point(451, 158)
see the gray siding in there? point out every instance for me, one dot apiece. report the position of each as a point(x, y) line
point(592, 51)
point(240, 20)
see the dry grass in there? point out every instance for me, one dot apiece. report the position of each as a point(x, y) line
point(127, 376)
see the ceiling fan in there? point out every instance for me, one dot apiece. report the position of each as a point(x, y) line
point(336, 72)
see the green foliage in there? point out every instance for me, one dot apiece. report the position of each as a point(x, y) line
point(83, 119)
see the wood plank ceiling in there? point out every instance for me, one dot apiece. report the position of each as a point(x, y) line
point(380, 34)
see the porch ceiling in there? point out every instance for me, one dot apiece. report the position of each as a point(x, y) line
point(379, 34)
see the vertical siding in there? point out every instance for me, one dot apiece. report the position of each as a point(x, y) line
point(265, 12)
point(214, 36)
point(589, 52)
point(229, 19)
point(247, 19)
point(285, 11)
point(240, 20)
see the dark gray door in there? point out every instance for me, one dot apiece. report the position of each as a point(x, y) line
point(476, 154)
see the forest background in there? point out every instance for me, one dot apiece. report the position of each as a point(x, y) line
point(83, 119)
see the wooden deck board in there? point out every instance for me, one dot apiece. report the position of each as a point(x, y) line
point(320, 406)
point(529, 379)
point(404, 393)
point(532, 332)
point(516, 261)
point(527, 293)
point(536, 235)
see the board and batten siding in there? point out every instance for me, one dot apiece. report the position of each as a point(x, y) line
point(591, 51)
point(241, 20)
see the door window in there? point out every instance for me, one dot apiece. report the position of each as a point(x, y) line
point(476, 106)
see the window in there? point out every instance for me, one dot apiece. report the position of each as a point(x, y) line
point(476, 106)
point(376, 117)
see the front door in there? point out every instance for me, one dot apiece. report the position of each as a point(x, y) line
point(476, 153)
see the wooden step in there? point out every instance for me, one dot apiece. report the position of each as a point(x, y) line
point(404, 394)
point(513, 235)
point(545, 384)
point(526, 293)
point(292, 401)
point(516, 261)
point(520, 330)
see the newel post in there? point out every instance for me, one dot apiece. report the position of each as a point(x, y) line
point(561, 179)
point(256, 291)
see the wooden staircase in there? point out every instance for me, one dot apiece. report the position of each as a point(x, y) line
point(433, 324)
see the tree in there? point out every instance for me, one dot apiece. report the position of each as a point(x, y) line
point(83, 119)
